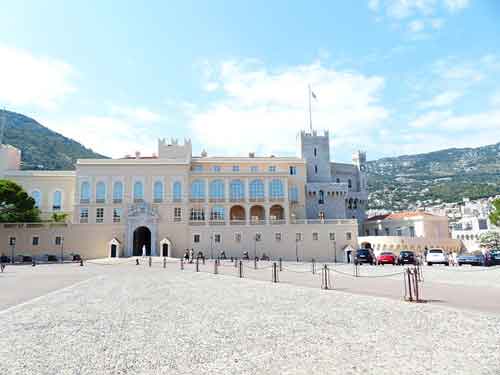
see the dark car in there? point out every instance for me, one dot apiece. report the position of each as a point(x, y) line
point(474, 259)
point(51, 258)
point(363, 256)
point(77, 258)
point(4, 259)
point(407, 257)
point(495, 257)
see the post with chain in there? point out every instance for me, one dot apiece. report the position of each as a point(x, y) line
point(408, 286)
point(281, 264)
point(415, 284)
point(150, 261)
point(197, 265)
point(325, 278)
point(216, 267)
point(182, 264)
point(255, 263)
point(235, 262)
point(275, 273)
point(240, 269)
point(164, 262)
point(313, 265)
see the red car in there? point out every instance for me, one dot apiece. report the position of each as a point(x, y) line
point(386, 258)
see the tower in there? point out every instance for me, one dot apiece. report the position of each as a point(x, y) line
point(315, 150)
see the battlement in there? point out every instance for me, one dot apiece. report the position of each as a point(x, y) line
point(305, 134)
point(174, 150)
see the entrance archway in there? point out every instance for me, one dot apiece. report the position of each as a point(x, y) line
point(142, 237)
point(113, 251)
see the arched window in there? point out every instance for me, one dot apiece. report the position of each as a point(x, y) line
point(138, 191)
point(57, 200)
point(177, 191)
point(117, 192)
point(294, 193)
point(100, 192)
point(198, 189)
point(236, 190)
point(37, 197)
point(158, 192)
point(276, 190)
point(217, 213)
point(85, 192)
point(321, 199)
point(256, 189)
point(217, 190)
point(316, 169)
point(349, 183)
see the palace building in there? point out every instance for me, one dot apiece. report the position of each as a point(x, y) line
point(305, 207)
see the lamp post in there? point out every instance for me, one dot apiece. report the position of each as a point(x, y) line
point(334, 251)
point(12, 250)
point(297, 248)
point(62, 249)
point(211, 246)
point(255, 246)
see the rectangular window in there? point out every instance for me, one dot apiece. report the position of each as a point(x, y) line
point(387, 232)
point(58, 241)
point(236, 168)
point(196, 238)
point(12, 241)
point(84, 215)
point(117, 215)
point(332, 236)
point(177, 214)
point(216, 168)
point(376, 231)
point(197, 168)
point(99, 215)
point(399, 232)
point(272, 168)
point(315, 236)
point(237, 237)
point(35, 241)
point(293, 170)
point(197, 214)
point(348, 236)
point(254, 169)
point(277, 236)
point(294, 194)
point(412, 231)
point(367, 232)
point(217, 238)
point(298, 237)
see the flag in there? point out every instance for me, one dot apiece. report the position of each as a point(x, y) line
point(313, 95)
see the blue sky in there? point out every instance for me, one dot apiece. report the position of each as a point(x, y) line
point(391, 77)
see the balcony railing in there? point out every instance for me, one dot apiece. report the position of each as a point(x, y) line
point(257, 199)
point(84, 200)
point(217, 222)
point(277, 221)
point(177, 219)
point(197, 222)
point(192, 199)
point(157, 200)
point(257, 221)
point(277, 199)
point(217, 200)
point(237, 199)
point(100, 200)
point(117, 200)
point(238, 222)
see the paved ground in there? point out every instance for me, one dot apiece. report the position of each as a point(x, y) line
point(124, 319)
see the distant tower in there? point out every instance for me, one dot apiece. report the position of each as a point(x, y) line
point(315, 150)
point(359, 159)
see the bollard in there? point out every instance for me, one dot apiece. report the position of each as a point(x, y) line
point(356, 269)
point(182, 264)
point(150, 261)
point(415, 285)
point(235, 262)
point(408, 286)
point(275, 273)
point(33, 263)
point(281, 265)
point(313, 264)
point(197, 265)
point(164, 262)
point(216, 267)
point(203, 259)
point(136, 261)
point(81, 262)
point(240, 269)
point(325, 278)
point(254, 263)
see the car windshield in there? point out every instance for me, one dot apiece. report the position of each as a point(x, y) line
point(406, 253)
point(363, 252)
point(386, 254)
point(436, 251)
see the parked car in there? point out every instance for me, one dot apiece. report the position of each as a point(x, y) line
point(386, 258)
point(363, 256)
point(474, 259)
point(436, 256)
point(494, 257)
point(4, 259)
point(407, 257)
point(51, 258)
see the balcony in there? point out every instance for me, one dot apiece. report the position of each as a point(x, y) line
point(100, 200)
point(237, 199)
point(217, 200)
point(197, 222)
point(276, 199)
point(238, 222)
point(117, 200)
point(192, 199)
point(277, 221)
point(157, 200)
point(257, 199)
point(217, 222)
point(258, 222)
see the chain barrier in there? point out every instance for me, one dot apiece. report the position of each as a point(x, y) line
point(275, 274)
point(411, 286)
point(313, 265)
point(216, 267)
point(325, 278)
point(240, 269)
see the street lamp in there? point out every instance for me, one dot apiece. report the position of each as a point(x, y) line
point(335, 251)
point(297, 247)
point(211, 246)
point(12, 250)
point(61, 238)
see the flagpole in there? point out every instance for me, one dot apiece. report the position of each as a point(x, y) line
point(310, 113)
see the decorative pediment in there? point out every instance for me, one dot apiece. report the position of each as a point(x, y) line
point(142, 209)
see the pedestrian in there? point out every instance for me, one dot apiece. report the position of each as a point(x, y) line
point(2, 266)
point(191, 256)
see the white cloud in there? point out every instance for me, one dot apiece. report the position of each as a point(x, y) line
point(437, 23)
point(430, 119)
point(263, 111)
point(26, 79)
point(489, 120)
point(442, 100)
point(139, 114)
point(456, 5)
point(416, 26)
point(106, 135)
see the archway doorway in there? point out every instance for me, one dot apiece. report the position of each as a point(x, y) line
point(113, 251)
point(142, 237)
point(164, 250)
point(165, 247)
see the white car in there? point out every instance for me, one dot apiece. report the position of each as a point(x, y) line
point(436, 256)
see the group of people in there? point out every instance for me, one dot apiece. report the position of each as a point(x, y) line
point(189, 255)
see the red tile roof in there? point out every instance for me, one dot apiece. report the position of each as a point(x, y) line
point(399, 215)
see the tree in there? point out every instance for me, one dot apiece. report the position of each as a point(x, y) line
point(16, 205)
point(495, 214)
point(490, 240)
point(59, 217)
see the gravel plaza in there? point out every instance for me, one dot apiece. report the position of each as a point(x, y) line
point(114, 317)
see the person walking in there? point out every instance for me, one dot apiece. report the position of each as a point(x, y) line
point(191, 256)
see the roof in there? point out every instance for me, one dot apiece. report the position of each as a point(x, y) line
point(400, 215)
